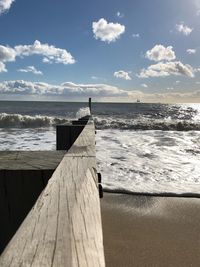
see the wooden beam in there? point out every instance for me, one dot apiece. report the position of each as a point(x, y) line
point(90, 105)
point(64, 227)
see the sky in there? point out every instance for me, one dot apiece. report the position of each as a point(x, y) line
point(113, 51)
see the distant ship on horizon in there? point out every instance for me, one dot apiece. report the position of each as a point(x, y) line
point(138, 101)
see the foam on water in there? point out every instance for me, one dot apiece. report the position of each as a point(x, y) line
point(27, 121)
point(145, 148)
point(149, 161)
point(145, 123)
point(28, 139)
point(82, 112)
point(108, 122)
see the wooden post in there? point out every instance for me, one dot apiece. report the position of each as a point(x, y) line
point(90, 105)
point(23, 176)
point(64, 227)
point(66, 135)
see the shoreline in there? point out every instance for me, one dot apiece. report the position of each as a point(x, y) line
point(153, 194)
point(150, 231)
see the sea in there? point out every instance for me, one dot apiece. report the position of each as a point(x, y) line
point(140, 147)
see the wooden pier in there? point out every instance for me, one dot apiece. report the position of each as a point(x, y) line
point(50, 203)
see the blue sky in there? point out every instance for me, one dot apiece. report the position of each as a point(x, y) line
point(110, 50)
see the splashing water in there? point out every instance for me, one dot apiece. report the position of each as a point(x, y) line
point(82, 112)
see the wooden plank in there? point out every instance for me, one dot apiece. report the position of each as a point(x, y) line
point(30, 160)
point(64, 227)
point(19, 190)
point(84, 146)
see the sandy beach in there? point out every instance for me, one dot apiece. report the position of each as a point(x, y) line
point(150, 231)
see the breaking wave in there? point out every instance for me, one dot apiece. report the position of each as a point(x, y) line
point(82, 112)
point(147, 124)
point(26, 121)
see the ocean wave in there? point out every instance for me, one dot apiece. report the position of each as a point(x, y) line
point(26, 121)
point(37, 121)
point(146, 124)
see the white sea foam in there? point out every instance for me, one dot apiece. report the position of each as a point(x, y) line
point(26, 121)
point(82, 112)
point(135, 161)
point(149, 161)
point(145, 123)
point(107, 122)
point(28, 139)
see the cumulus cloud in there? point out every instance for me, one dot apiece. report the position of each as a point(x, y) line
point(68, 89)
point(31, 69)
point(107, 32)
point(122, 74)
point(5, 5)
point(7, 54)
point(104, 92)
point(184, 29)
point(160, 52)
point(163, 69)
point(2, 67)
point(50, 53)
point(191, 51)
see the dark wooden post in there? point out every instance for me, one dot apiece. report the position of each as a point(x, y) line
point(90, 105)
point(66, 135)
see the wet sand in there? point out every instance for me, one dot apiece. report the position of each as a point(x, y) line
point(150, 231)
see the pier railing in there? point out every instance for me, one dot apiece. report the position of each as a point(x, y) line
point(64, 226)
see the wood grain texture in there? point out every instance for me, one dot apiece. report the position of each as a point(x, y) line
point(64, 227)
point(30, 160)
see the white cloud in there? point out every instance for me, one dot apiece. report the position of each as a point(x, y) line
point(184, 29)
point(103, 92)
point(51, 53)
point(136, 35)
point(67, 89)
point(144, 85)
point(120, 15)
point(160, 52)
point(5, 5)
point(122, 74)
point(7, 54)
point(107, 32)
point(31, 69)
point(197, 70)
point(191, 51)
point(170, 88)
point(163, 69)
point(46, 60)
point(2, 67)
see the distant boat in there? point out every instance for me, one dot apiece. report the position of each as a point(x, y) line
point(138, 101)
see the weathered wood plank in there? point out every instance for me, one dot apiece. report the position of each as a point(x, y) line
point(30, 160)
point(64, 227)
